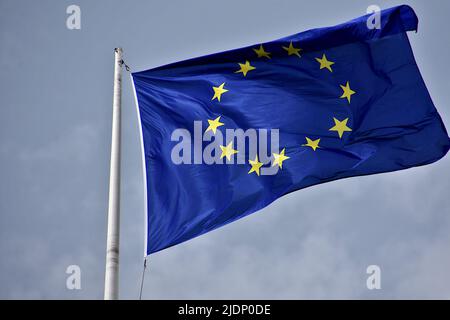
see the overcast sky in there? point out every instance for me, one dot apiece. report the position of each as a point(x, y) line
point(55, 128)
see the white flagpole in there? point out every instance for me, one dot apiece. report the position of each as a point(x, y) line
point(112, 242)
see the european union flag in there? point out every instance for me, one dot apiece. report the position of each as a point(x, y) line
point(226, 134)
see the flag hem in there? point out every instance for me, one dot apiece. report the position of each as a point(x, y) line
point(144, 166)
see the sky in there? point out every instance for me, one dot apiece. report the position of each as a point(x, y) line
point(55, 136)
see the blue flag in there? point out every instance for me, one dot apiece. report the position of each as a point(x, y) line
point(226, 134)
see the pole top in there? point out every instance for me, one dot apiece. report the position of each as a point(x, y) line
point(118, 49)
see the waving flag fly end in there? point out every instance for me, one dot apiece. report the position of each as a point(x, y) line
point(226, 134)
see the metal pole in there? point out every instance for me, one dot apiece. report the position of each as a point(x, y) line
point(112, 242)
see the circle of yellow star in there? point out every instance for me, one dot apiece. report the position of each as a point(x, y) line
point(314, 144)
point(228, 151)
point(347, 91)
point(218, 91)
point(214, 124)
point(291, 50)
point(278, 159)
point(256, 165)
point(325, 63)
point(245, 67)
point(340, 127)
point(262, 53)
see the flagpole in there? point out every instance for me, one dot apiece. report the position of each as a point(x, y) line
point(112, 242)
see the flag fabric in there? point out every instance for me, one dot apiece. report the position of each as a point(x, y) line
point(226, 134)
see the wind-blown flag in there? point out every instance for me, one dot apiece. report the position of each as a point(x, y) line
point(226, 134)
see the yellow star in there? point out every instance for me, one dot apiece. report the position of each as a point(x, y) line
point(340, 127)
point(256, 165)
point(214, 124)
point(314, 144)
point(347, 92)
point(218, 91)
point(228, 151)
point(324, 63)
point(262, 53)
point(245, 67)
point(279, 158)
point(291, 50)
